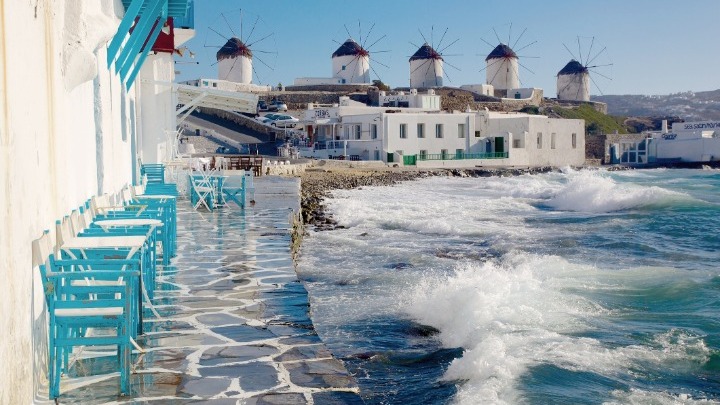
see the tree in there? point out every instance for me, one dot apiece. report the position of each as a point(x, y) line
point(380, 85)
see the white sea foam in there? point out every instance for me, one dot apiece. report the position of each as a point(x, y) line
point(512, 315)
point(641, 397)
point(596, 192)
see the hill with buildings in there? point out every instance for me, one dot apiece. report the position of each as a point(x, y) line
point(690, 106)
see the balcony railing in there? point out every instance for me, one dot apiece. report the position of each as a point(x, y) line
point(463, 156)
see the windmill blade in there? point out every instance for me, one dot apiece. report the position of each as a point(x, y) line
point(579, 51)
point(596, 56)
point(229, 26)
point(259, 79)
point(261, 39)
point(376, 73)
point(531, 43)
point(231, 69)
point(368, 35)
point(359, 32)
point(421, 65)
point(497, 36)
point(221, 35)
point(383, 51)
point(423, 36)
point(347, 30)
point(598, 87)
point(379, 63)
point(337, 42)
point(490, 64)
point(432, 36)
point(509, 34)
point(415, 46)
point(598, 66)
point(565, 88)
point(263, 51)
point(430, 65)
point(378, 40)
point(525, 69)
point(601, 75)
point(212, 46)
point(448, 46)
point(442, 37)
point(448, 76)
point(491, 45)
point(353, 60)
point(577, 94)
point(263, 62)
point(253, 28)
point(518, 39)
point(518, 74)
point(453, 66)
point(528, 57)
point(495, 75)
point(591, 47)
point(570, 52)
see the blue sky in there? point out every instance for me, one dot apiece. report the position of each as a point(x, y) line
point(655, 46)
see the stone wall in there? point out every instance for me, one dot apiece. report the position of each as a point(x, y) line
point(598, 106)
point(298, 100)
point(242, 121)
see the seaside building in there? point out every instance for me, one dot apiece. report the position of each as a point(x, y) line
point(426, 68)
point(573, 82)
point(77, 117)
point(420, 134)
point(687, 142)
point(350, 65)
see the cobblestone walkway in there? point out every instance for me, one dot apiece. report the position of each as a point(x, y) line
point(234, 324)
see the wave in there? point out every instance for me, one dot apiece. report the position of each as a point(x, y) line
point(597, 192)
point(520, 312)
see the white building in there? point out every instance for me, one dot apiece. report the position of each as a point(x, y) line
point(573, 82)
point(72, 125)
point(234, 62)
point(225, 85)
point(426, 68)
point(688, 142)
point(432, 138)
point(502, 68)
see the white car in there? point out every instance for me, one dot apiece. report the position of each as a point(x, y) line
point(277, 106)
point(266, 118)
point(283, 121)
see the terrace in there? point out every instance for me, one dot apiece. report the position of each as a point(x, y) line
point(233, 319)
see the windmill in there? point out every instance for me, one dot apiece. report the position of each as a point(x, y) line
point(503, 62)
point(573, 80)
point(427, 63)
point(351, 61)
point(242, 46)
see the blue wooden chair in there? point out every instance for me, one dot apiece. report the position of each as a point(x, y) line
point(84, 294)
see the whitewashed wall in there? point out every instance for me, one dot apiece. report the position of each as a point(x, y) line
point(65, 133)
point(157, 108)
point(573, 87)
point(426, 73)
point(503, 74)
point(237, 69)
point(357, 70)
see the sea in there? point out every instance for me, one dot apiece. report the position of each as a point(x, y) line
point(572, 287)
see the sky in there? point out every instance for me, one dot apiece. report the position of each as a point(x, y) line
point(653, 46)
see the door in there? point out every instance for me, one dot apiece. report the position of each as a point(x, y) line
point(499, 144)
point(390, 158)
point(409, 160)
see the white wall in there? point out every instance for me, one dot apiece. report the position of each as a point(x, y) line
point(433, 145)
point(309, 81)
point(238, 69)
point(357, 69)
point(426, 73)
point(63, 138)
point(485, 89)
point(503, 73)
point(156, 106)
point(573, 87)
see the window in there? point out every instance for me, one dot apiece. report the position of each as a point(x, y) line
point(421, 130)
point(461, 130)
point(358, 131)
point(443, 153)
point(477, 134)
point(373, 132)
point(518, 141)
point(403, 131)
point(214, 84)
point(552, 140)
point(423, 154)
point(377, 155)
point(459, 153)
point(343, 67)
point(539, 140)
point(438, 130)
point(574, 141)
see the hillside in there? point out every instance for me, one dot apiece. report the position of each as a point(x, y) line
point(690, 106)
point(595, 121)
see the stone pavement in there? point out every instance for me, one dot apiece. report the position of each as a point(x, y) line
point(234, 326)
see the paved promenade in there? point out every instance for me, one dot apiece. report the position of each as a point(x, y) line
point(233, 326)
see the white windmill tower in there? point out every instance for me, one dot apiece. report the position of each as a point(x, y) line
point(351, 63)
point(427, 64)
point(502, 68)
point(235, 62)
point(502, 64)
point(573, 80)
point(426, 68)
point(235, 58)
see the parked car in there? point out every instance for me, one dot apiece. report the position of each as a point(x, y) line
point(262, 106)
point(284, 121)
point(265, 119)
point(277, 105)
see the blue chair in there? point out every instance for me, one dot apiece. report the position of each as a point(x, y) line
point(84, 294)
